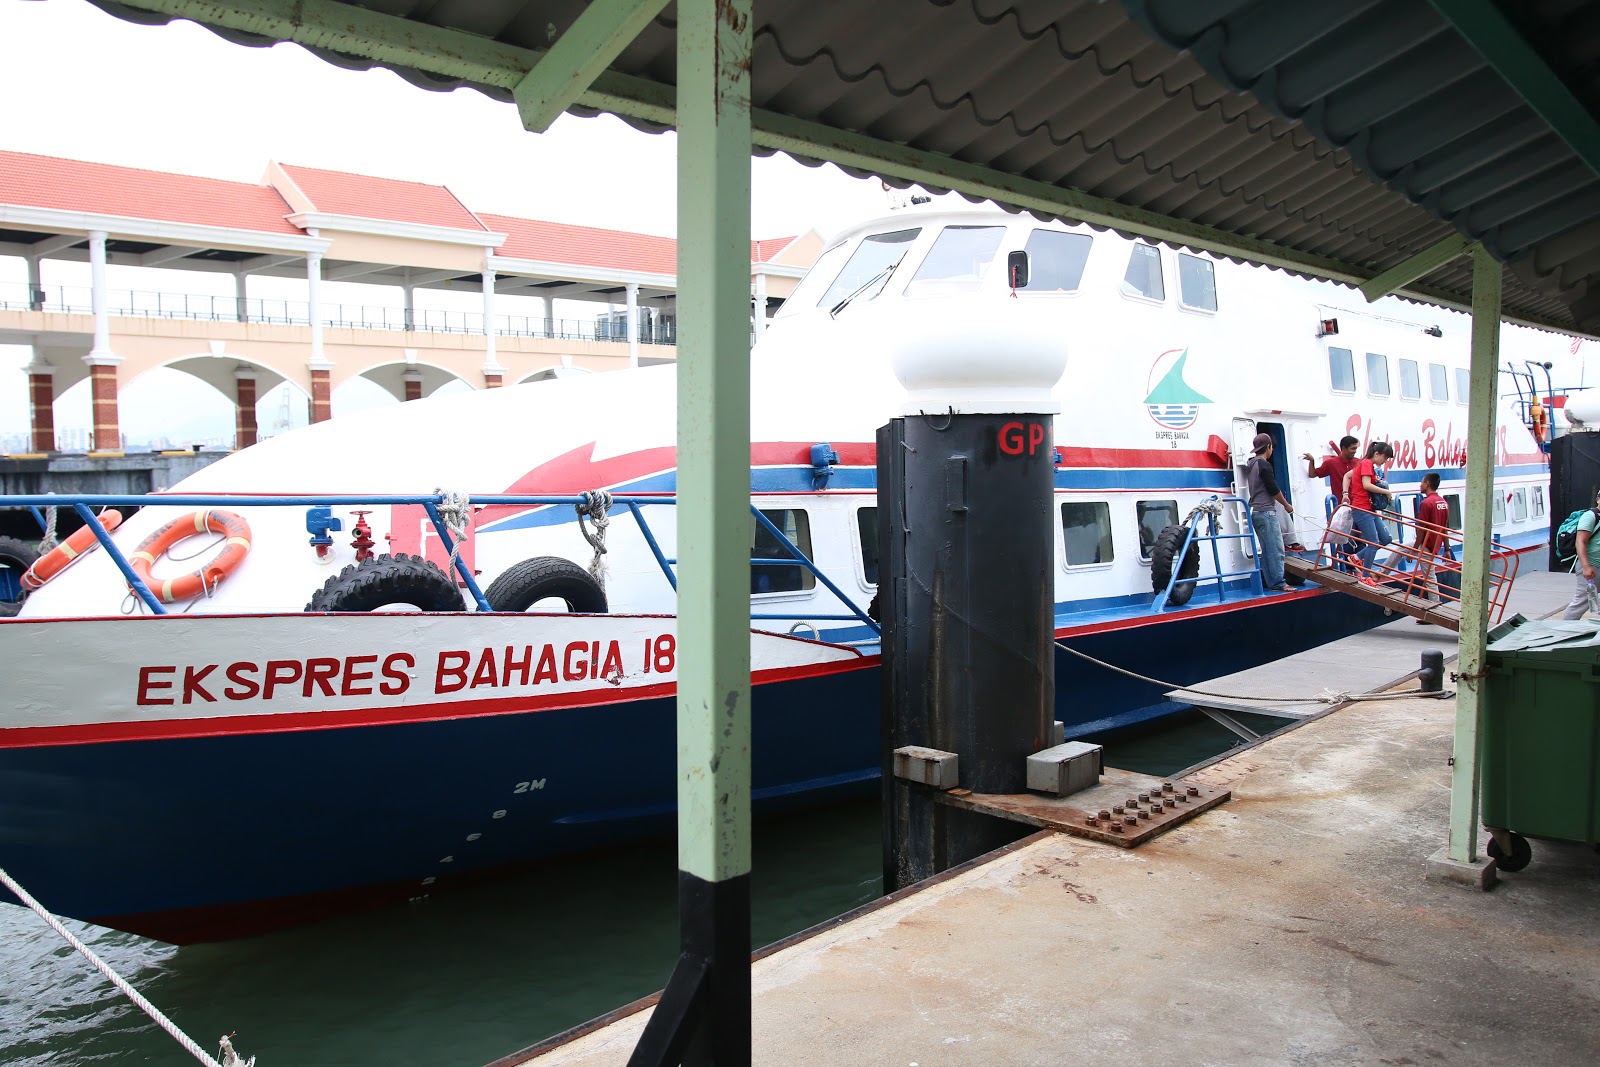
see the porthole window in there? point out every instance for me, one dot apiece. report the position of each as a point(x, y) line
point(1341, 370)
point(1377, 374)
point(1143, 278)
point(1086, 533)
point(1410, 380)
point(1197, 283)
point(1499, 507)
point(1519, 504)
point(1538, 501)
point(1462, 378)
point(867, 530)
point(1154, 516)
point(780, 577)
point(1439, 383)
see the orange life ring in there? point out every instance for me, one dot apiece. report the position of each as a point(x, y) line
point(67, 552)
point(203, 581)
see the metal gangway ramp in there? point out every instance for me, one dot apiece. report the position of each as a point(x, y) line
point(1419, 574)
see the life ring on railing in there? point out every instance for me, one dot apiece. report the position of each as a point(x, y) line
point(204, 581)
point(67, 552)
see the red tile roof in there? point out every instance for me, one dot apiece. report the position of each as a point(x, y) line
point(586, 246)
point(102, 189)
point(334, 192)
point(762, 251)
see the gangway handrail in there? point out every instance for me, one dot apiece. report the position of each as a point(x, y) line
point(1208, 509)
point(82, 503)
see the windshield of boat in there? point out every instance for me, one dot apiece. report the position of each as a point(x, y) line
point(870, 263)
point(958, 260)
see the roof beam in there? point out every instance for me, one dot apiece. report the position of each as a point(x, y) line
point(578, 57)
point(393, 40)
point(1423, 263)
point(51, 245)
point(157, 256)
point(435, 277)
point(260, 263)
point(352, 270)
point(1494, 37)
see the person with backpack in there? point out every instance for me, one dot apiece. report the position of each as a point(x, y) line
point(1586, 550)
point(1363, 489)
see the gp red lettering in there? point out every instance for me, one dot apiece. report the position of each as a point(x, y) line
point(1017, 438)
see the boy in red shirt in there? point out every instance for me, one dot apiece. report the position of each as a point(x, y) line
point(1433, 519)
point(1358, 483)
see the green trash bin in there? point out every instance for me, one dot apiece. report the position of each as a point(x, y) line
point(1540, 742)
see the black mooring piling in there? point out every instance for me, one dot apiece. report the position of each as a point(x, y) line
point(1430, 679)
point(967, 599)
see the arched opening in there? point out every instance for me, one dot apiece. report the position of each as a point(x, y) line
point(552, 373)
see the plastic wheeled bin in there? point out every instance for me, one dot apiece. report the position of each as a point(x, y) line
point(1540, 737)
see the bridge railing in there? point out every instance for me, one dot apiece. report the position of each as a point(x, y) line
point(135, 303)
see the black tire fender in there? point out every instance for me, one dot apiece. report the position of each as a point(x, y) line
point(522, 585)
point(1168, 542)
point(17, 556)
point(384, 580)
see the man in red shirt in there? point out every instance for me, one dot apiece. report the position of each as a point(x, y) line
point(1334, 467)
point(1433, 519)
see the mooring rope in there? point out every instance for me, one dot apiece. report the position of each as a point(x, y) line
point(1327, 696)
point(48, 542)
point(455, 511)
point(596, 503)
point(231, 1059)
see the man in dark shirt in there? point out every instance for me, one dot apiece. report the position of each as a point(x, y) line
point(1261, 489)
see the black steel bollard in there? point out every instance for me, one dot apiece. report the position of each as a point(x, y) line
point(966, 533)
point(1431, 677)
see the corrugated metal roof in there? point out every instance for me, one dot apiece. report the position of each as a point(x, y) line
point(1358, 132)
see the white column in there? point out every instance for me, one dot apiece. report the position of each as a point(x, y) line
point(410, 292)
point(761, 304)
point(314, 306)
point(240, 295)
point(35, 284)
point(549, 315)
point(633, 324)
point(102, 312)
point(490, 364)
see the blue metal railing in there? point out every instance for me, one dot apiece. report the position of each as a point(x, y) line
point(1207, 512)
point(430, 503)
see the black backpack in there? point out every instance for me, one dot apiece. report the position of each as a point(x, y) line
point(1567, 533)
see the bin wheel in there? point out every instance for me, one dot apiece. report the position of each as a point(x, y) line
point(1521, 853)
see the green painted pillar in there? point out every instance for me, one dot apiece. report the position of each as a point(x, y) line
point(704, 1013)
point(1475, 557)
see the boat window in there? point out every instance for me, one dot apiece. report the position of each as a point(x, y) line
point(1519, 504)
point(869, 265)
point(1454, 501)
point(1154, 516)
point(1341, 370)
point(1086, 533)
point(1410, 380)
point(1144, 274)
point(960, 257)
point(1056, 260)
point(1499, 508)
point(867, 528)
point(780, 577)
point(823, 271)
point(1197, 283)
point(1377, 374)
point(1438, 383)
point(1462, 379)
point(1538, 501)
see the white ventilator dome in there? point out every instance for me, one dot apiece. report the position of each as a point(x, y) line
point(978, 356)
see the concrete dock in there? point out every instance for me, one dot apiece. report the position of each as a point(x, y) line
point(1292, 925)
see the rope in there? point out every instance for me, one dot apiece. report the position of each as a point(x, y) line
point(455, 511)
point(230, 1058)
point(48, 542)
point(1327, 696)
point(596, 503)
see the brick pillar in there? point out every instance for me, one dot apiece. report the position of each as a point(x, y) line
point(244, 417)
point(42, 395)
point(321, 395)
point(103, 389)
point(491, 379)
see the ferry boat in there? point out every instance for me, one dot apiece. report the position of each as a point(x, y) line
point(211, 731)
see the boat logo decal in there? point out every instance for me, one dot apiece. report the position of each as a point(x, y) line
point(1172, 404)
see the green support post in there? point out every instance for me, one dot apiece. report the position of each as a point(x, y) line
point(704, 1014)
point(1475, 557)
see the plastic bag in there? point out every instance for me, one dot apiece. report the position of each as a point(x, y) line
point(1343, 518)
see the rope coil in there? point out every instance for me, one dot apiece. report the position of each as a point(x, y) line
point(595, 505)
point(455, 511)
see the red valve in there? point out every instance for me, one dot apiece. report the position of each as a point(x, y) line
point(361, 537)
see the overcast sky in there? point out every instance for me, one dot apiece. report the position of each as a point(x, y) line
point(82, 84)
